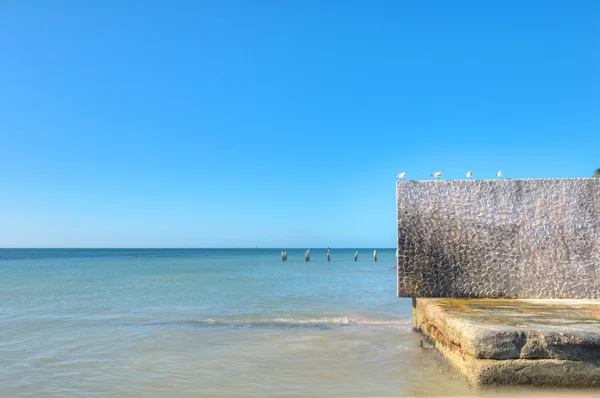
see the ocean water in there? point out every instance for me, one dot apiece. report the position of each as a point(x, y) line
point(161, 323)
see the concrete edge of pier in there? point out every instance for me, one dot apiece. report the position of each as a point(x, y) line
point(549, 343)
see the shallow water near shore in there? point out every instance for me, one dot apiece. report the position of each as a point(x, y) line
point(155, 323)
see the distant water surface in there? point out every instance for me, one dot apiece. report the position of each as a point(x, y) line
point(210, 322)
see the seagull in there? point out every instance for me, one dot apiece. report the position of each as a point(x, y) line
point(500, 174)
point(437, 174)
point(401, 175)
point(469, 174)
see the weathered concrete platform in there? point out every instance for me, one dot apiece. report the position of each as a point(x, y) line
point(552, 343)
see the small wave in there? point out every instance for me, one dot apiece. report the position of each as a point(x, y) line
point(299, 322)
point(274, 322)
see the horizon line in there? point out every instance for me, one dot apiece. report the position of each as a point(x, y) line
point(189, 248)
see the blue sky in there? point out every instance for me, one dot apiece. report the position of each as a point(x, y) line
point(278, 123)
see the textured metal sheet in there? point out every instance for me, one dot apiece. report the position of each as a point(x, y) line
point(502, 238)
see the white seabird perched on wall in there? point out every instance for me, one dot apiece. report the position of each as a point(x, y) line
point(469, 174)
point(401, 175)
point(500, 174)
point(437, 174)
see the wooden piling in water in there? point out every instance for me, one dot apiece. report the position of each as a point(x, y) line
point(307, 255)
point(356, 256)
point(375, 255)
point(328, 254)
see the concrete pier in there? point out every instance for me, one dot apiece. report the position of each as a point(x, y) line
point(520, 260)
point(533, 239)
point(549, 342)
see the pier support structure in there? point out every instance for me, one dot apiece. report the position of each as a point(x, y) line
point(487, 261)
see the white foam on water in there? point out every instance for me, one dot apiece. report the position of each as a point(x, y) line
point(317, 321)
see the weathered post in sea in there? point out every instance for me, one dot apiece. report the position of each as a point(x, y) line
point(356, 256)
point(284, 255)
point(375, 255)
point(460, 242)
point(328, 254)
point(307, 255)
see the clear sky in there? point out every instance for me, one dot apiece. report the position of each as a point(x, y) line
point(278, 123)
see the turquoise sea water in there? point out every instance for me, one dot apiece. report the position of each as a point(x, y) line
point(155, 323)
